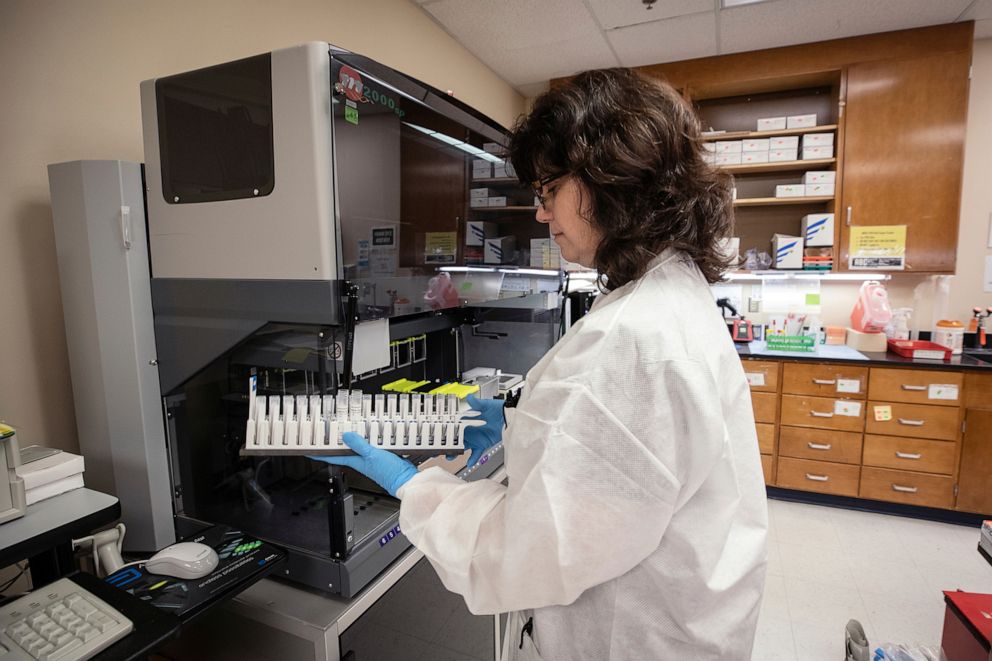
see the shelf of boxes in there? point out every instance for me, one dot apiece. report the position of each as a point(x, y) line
point(779, 201)
point(786, 166)
point(739, 135)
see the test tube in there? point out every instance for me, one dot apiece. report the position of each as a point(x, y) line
point(380, 406)
point(391, 406)
point(342, 405)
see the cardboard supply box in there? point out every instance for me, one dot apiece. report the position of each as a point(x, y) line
point(754, 157)
point(818, 190)
point(476, 232)
point(811, 153)
point(499, 201)
point(756, 144)
point(771, 123)
point(499, 250)
point(800, 121)
point(729, 146)
point(782, 155)
point(728, 159)
point(820, 177)
point(709, 157)
point(790, 190)
point(478, 202)
point(787, 252)
point(503, 170)
point(482, 169)
point(544, 254)
point(709, 147)
point(818, 231)
point(481, 192)
point(818, 139)
point(784, 142)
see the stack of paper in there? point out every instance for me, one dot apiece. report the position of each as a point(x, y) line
point(49, 475)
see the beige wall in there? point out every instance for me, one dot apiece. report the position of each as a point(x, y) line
point(69, 90)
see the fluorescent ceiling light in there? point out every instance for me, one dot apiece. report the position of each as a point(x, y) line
point(457, 144)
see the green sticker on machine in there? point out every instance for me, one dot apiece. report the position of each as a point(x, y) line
point(351, 115)
point(812, 299)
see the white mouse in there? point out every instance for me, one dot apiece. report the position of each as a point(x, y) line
point(183, 560)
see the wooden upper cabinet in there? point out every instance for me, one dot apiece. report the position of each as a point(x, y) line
point(904, 132)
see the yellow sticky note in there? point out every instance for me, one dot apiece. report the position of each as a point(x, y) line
point(883, 413)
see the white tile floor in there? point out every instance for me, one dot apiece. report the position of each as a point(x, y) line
point(828, 565)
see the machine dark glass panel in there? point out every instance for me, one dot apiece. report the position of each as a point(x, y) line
point(215, 132)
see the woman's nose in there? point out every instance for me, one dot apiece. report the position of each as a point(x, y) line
point(543, 215)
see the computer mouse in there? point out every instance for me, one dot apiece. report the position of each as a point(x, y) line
point(183, 560)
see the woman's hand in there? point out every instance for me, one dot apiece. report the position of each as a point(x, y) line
point(386, 469)
point(480, 439)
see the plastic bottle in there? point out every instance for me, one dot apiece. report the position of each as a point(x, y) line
point(949, 333)
point(898, 327)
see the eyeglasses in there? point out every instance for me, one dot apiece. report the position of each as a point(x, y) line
point(548, 194)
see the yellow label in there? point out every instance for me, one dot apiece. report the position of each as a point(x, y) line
point(883, 413)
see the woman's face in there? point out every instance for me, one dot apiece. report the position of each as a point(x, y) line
point(575, 236)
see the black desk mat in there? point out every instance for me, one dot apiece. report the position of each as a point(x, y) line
point(243, 561)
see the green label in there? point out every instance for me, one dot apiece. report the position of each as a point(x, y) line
point(812, 299)
point(351, 115)
point(790, 343)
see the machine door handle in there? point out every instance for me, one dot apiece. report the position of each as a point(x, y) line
point(126, 226)
point(817, 478)
point(824, 382)
point(906, 386)
point(910, 423)
point(902, 489)
point(819, 414)
point(909, 455)
point(819, 446)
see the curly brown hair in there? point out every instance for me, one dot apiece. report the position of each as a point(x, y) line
point(634, 145)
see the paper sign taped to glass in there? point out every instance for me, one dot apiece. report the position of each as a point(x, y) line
point(880, 248)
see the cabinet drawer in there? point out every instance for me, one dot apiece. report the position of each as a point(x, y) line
point(766, 437)
point(907, 487)
point(768, 468)
point(822, 476)
point(910, 454)
point(765, 406)
point(820, 444)
point(762, 375)
point(821, 412)
point(915, 420)
point(914, 386)
point(824, 380)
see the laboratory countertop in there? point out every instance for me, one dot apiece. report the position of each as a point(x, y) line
point(845, 354)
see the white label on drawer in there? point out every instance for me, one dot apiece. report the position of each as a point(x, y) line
point(755, 378)
point(883, 413)
point(847, 407)
point(942, 391)
point(848, 385)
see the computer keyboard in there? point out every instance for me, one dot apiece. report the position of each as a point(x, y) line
point(59, 622)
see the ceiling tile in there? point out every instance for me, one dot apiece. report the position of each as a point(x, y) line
point(525, 41)
point(788, 22)
point(670, 40)
point(983, 29)
point(979, 10)
point(532, 90)
point(613, 13)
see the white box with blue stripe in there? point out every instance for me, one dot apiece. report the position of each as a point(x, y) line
point(787, 251)
point(818, 230)
point(499, 250)
point(476, 232)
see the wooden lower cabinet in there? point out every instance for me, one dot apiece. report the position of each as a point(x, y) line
point(821, 476)
point(975, 476)
point(768, 468)
point(916, 420)
point(765, 406)
point(766, 437)
point(823, 413)
point(912, 454)
point(820, 444)
point(907, 487)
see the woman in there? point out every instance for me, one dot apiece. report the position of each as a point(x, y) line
point(633, 524)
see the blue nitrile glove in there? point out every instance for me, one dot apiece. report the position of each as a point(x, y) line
point(386, 469)
point(480, 439)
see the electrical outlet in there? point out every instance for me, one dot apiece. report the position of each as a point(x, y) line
point(753, 305)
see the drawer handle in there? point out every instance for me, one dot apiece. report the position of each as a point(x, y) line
point(817, 478)
point(906, 386)
point(818, 446)
point(911, 423)
point(818, 414)
point(824, 382)
point(909, 455)
point(902, 489)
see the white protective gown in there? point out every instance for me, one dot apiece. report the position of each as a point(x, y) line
point(635, 519)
